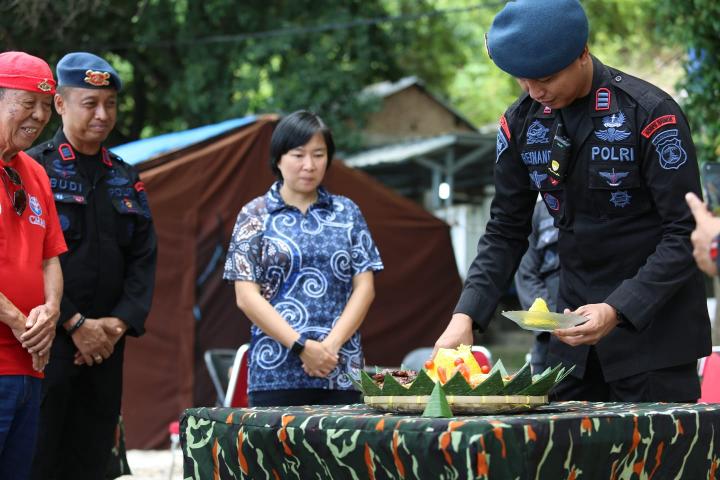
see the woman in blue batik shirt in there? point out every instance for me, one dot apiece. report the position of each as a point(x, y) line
point(303, 262)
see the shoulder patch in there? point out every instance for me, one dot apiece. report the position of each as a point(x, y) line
point(657, 124)
point(505, 127)
point(66, 152)
point(106, 157)
point(602, 99)
point(501, 145)
point(669, 148)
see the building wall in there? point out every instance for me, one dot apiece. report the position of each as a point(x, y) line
point(410, 113)
point(467, 224)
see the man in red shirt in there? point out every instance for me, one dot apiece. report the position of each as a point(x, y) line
point(30, 241)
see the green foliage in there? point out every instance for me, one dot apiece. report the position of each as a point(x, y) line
point(622, 34)
point(695, 24)
point(188, 63)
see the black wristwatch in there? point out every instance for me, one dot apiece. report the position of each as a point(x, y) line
point(299, 345)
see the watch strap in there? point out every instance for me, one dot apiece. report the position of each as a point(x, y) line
point(299, 345)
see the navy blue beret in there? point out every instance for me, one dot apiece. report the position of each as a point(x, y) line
point(537, 38)
point(85, 70)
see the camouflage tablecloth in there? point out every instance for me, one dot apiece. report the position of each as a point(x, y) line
point(567, 440)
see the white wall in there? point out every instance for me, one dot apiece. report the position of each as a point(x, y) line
point(467, 224)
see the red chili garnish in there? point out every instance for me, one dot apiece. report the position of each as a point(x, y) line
point(485, 369)
point(441, 374)
point(459, 360)
point(429, 365)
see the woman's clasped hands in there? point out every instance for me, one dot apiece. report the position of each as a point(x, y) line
point(319, 358)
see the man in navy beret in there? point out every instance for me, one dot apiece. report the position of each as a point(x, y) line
point(612, 158)
point(109, 272)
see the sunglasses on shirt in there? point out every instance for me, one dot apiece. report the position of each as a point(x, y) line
point(18, 197)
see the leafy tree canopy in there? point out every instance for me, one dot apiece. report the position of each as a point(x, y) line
point(187, 63)
point(695, 25)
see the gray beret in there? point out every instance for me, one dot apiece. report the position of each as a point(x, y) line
point(85, 70)
point(537, 38)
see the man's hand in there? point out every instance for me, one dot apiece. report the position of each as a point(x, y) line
point(114, 329)
point(39, 362)
point(92, 342)
point(707, 227)
point(40, 329)
point(317, 360)
point(602, 318)
point(458, 332)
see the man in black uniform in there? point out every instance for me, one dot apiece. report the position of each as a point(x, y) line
point(612, 158)
point(109, 273)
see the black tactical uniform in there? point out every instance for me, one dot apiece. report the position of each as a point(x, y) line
point(109, 270)
point(613, 169)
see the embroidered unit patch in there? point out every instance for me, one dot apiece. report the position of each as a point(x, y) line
point(602, 99)
point(537, 178)
point(551, 202)
point(612, 178)
point(657, 124)
point(538, 157)
point(613, 154)
point(65, 170)
point(612, 132)
point(620, 199)
point(537, 133)
point(501, 146)
point(669, 149)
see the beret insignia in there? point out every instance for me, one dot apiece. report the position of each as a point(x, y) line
point(97, 79)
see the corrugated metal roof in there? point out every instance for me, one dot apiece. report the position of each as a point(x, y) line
point(387, 88)
point(145, 149)
point(401, 152)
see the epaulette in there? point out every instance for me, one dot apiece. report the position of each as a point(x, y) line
point(518, 109)
point(517, 103)
point(647, 95)
point(38, 151)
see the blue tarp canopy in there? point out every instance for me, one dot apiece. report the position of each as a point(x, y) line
point(141, 150)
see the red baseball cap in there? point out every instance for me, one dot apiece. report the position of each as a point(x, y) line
point(21, 71)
